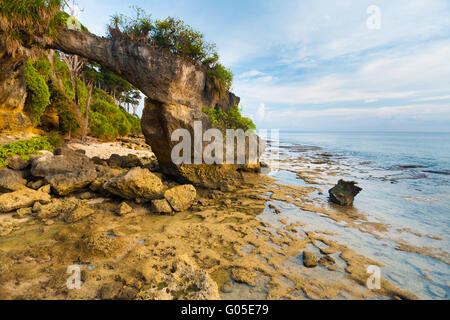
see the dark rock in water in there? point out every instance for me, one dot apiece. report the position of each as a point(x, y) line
point(309, 259)
point(344, 192)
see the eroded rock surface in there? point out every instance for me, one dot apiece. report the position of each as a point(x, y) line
point(136, 184)
point(22, 198)
point(181, 198)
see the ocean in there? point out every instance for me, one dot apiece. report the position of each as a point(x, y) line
point(406, 187)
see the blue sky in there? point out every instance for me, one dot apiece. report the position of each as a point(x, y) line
point(315, 65)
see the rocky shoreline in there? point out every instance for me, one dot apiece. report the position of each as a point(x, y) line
point(163, 240)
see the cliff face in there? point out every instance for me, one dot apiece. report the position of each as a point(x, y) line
point(13, 93)
point(176, 91)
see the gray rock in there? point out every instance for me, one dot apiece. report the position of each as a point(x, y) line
point(131, 161)
point(344, 192)
point(67, 171)
point(11, 180)
point(181, 198)
point(115, 161)
point(17, 163)
point(64, 184)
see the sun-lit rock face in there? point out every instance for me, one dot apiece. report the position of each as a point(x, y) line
point(13, 93)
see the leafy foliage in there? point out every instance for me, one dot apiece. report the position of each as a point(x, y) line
point(108, 121)
point(174, 35)
point(68, 122)
point(231, 119)
point(24, 148)
point(29, 23)
point(40, 97)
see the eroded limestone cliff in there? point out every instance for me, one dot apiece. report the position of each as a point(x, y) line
point(13, 93)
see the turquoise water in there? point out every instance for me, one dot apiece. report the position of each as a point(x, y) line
point(406, 185)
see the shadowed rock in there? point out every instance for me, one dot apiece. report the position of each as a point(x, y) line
point(344, 192)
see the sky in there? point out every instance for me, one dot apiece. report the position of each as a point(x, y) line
point(347, 65)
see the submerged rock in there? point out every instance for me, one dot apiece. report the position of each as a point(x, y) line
point(181, 198)
point(11, 180)
point(58, 207)
point(327, 261)
point(309, 259)
point(344, 192)
point(161, 206)
point(136, 184)
point(81, 211)
point(23, 198)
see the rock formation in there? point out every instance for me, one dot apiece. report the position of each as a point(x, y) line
point(13, 92)
point(176, 90)
point(344, 192)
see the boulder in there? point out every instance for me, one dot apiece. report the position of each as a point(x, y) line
point(161, 206)
point(161, 120)
point(64, 184)
point(344, 192)
point(17, 163)
point(136, 184)
point(67, 171)
point(11, 180)
point(181, 198)
point(131, 161)
point(124, 209)
point(309, 259)
point(115, 161)
point(63, 162)
point(22, 198)
point(104, 174)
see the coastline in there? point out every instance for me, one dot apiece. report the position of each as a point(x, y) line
point(236, 244)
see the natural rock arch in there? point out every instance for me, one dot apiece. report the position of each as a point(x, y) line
point(176, 90)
